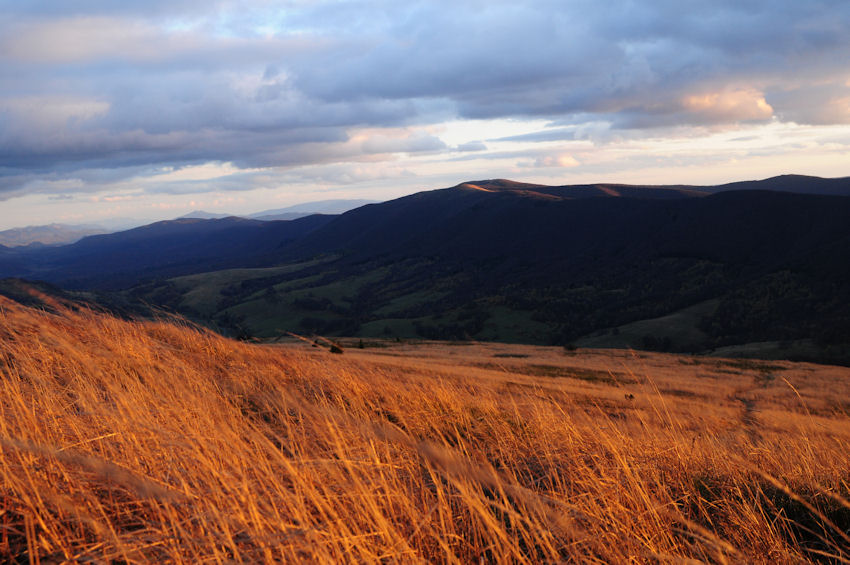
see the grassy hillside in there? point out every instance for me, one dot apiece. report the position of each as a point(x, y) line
point(507, 266)
point(161, 442)
point(496, 260)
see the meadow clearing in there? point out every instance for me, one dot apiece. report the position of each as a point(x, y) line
point(145, 441)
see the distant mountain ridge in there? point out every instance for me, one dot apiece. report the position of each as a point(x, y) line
point(52, 234)
point(202, 215)
point(333, 206)
point(485, 210)
point(328, 207)
point(800, 184)
point(161, 249)
point(757, 261)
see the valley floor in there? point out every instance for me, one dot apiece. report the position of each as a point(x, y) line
point(162, 442)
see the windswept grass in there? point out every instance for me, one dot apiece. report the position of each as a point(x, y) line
point(160, 442)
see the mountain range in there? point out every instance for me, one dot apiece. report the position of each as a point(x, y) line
point(64, 234)
point(52, 234)
point(337, 206)
point(761, 266)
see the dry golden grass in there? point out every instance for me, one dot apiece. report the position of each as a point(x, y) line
point(159, 442)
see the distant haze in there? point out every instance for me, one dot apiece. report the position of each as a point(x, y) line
point(52, 234)
point(151, 110)
point(290, 212)
point(322, 207)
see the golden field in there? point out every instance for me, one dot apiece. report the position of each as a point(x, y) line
point(140, 442)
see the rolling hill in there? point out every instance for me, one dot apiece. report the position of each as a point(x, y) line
point(52, 234)
point(159, 442)
point(324, 207)
point(159, 250)
point(737, 264)
point(327, 207)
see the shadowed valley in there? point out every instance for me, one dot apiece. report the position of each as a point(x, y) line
point(756, 268)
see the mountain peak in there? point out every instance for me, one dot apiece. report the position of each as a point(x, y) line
point(202, 215)
point(496, 185)
point(471, 186)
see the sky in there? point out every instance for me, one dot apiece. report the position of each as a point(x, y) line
point(149, 110)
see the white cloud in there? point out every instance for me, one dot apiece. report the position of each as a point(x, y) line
point(97, 93)
point(743, 104)
point(559, 161)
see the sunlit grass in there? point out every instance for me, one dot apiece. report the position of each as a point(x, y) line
point(160, 442)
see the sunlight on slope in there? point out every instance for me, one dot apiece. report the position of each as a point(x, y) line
point(161, 442)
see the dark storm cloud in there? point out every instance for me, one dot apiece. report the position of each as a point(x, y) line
point(132, 86)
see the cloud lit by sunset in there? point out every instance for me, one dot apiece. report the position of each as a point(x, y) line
point(285, 102)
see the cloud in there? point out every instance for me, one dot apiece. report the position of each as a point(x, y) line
point(133, 87)
point(471, 147)
point(546, 135)
point(821, 104)
point(407, 142)
point(559, 161)
point(546, 58)
point(740, 105)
